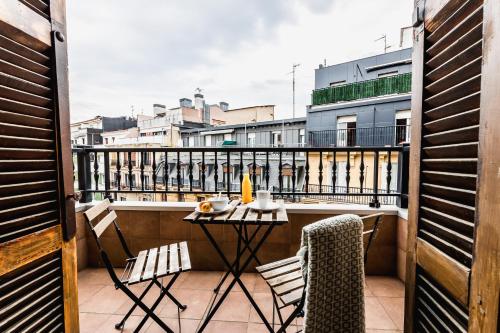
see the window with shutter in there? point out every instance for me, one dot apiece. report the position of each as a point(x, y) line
point(37, 244)
point(447, 107)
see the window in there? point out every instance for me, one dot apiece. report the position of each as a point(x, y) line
point(403, 119)
point(346, 131)
point(276, 138)
point(191, 141)
point(208, 140)
point(83, 141)
point(302, 137)
point(341, 181)
point(337, 83)
point(259, 176)
point(184, 174)
point(225, 171)
point(227, 137)
point(386, 74)
point(106, 140)
point(287, 177)
point(251, 139)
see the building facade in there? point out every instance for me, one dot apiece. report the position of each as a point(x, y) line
point(276, 133)
point(89, 132)
point(364, 102)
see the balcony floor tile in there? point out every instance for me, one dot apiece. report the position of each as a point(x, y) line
point(102, 306)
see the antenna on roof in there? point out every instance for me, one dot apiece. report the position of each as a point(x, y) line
point(294, 66)
point(384, 37)
point(132, 109)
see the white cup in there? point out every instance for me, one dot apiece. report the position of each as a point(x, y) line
point(263, 198)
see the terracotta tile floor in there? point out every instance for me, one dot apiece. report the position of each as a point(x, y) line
point(101, 306)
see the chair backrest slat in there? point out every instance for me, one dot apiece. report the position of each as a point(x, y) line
point(95, 211)
point(104, 223)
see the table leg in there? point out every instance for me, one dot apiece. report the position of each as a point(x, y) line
point(247, 242)
point(237, 276)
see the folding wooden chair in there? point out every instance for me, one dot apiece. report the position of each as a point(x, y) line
point(149, 265)
point(284, 277)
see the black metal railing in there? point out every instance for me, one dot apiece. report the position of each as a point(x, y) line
point(361, 137)
point(340, 198)
point(343, 174)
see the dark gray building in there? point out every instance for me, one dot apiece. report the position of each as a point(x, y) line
point(88, 132)
point(362, 102)
point(276, 133)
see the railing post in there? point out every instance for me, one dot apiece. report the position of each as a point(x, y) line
point(403, 176)
point(106, 176)
point(375, 203)
point(84, 175)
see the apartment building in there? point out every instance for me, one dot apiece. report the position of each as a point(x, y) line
point(363, 102)
point(89, 132)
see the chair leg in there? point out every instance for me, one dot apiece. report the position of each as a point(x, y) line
point(289, 319)
point(275, 304)
point(169, 295)
point(120, 325)
point(163, 293)
point(149, 312)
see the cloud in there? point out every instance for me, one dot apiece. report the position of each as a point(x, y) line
point(124, 52)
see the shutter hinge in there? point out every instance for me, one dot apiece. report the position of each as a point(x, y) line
point(418, 13)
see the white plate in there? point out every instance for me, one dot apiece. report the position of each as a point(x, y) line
point(271, 206)
point(212, 211)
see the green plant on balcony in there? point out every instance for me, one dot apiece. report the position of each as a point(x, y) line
point(397, 84)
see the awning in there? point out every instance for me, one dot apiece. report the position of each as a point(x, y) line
point(225, 131)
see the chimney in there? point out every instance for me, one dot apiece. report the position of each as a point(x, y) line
point(206, 114)
point(199, 102)
point(159, 110)
point(186, 103)
point(224, 106)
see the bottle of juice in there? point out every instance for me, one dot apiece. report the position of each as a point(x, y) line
point(246, 189)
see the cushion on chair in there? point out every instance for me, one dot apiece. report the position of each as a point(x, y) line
point(335, 275)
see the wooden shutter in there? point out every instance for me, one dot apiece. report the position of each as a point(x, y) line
point(448, 106)
point(37, 218)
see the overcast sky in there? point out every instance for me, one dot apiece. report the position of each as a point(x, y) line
point(124, 52)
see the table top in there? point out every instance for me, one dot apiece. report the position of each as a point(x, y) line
point(241, 213)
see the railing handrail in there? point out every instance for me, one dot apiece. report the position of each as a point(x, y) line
point(358, 128)
point(234, 149)
point(392, 135)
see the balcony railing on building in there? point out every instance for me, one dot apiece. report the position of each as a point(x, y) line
point(367, 175)
point(361, 137)
point(396, 84)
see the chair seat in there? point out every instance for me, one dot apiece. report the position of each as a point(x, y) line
point(284, 277)
point(157, 262)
